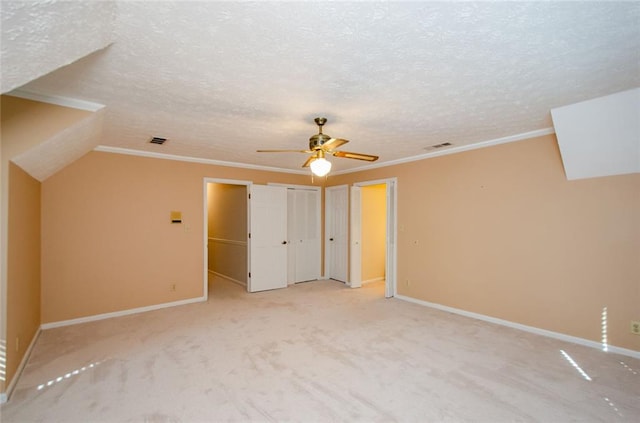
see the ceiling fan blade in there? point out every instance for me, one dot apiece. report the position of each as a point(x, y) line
point(284, 151)
point(358, 156)
point(321, 144)
point(333, 143)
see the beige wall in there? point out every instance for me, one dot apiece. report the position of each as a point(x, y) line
point(374, 230)
point(227, 222)
point(27, 123)
point(24, 124)
point(500, 231)
point(108, 244)
point(23, 265)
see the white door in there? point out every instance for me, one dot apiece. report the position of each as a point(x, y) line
point(268, 238)
point(356, 238)
point(390, 265)
point(336, 232)
point(303, 235)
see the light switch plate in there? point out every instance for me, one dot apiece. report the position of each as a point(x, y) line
point(176, 217)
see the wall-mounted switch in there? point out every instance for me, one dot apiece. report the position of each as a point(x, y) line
point(176, 217)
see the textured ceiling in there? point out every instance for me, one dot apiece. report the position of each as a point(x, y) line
point(222, 79)
point(39, 37)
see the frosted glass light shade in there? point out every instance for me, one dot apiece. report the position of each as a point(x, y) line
point(320, 167)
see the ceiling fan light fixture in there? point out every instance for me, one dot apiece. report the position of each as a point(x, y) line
point(321, 144)
point(320, 166)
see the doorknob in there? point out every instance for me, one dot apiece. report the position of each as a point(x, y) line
point(284, 242)
point(330, 239)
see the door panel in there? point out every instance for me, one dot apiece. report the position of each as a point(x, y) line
point(268, 238)
point(291, 236)
point(336, 239)
point(304, 235)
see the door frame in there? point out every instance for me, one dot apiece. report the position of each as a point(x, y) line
point(355, 237)
point(391, 262)
point(205, 234)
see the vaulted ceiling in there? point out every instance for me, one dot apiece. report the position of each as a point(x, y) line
point(223, 79)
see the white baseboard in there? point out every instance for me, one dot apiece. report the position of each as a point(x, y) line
point(103, 316)
point(228, 278)
point(381, 278)
point(530, 329)
point(4, 397)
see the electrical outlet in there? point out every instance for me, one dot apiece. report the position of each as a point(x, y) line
point(408, 282)
point(172, 287)
point(635, 327)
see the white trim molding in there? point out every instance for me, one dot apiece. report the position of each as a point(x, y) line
point(154, 155)
point(525, 328)
point(57, 100)
point(294, 186)
point(137, 310)
point(453, 150)
point(4, 397)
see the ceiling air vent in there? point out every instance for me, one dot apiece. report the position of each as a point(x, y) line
point(437, 146)
point(158, 140)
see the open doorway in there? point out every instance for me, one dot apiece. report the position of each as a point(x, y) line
point(374, 236)
point(383, 214)
point(226, 231)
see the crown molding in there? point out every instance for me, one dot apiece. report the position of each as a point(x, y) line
point(453, 150)
point(58, 101)
point(131, 152)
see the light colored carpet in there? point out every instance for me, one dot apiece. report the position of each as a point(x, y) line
point(315, 352)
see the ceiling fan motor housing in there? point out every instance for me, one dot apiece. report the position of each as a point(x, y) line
point(317, 140)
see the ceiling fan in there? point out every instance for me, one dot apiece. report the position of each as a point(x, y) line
point(320, 145)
